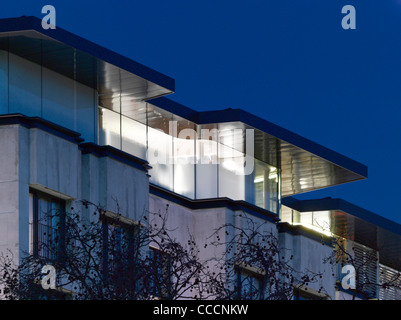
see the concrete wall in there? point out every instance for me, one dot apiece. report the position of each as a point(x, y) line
point(115, 186)
point(33, 158)
point(309, 255)
point(14, 178)
point(202, 225)
point(55, 163)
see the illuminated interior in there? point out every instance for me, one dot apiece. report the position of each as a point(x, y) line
point(196, 161)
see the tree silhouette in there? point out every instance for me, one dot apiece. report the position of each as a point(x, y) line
point(104, 255)
point(107, 257)
point(367, 278)
point(255, 265)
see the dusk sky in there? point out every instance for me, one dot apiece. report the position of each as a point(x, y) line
point(289, 62)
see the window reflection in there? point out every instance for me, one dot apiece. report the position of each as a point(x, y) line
point(196, 161)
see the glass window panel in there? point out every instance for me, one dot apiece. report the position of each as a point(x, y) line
point(207, 162)
point(231, 164)
point(85, 112)
point(110, 101)
point(321, 219)
point(46, 215)
point(133, 137)
point(134, 109)
point(24, 87)
point(160, 157)
point(3, 82)
point(58, 98)
point(184, 157)
point(306, 218)
point(231, 184)
point(109, 128)
point(250, 286)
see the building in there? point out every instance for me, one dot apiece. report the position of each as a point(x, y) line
point(79, 122)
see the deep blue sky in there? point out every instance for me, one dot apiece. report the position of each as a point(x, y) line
point(289, 62)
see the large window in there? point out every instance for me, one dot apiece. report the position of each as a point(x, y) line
point(119, 245)
point(195, 161)
point(31, 89)
point(46, 218)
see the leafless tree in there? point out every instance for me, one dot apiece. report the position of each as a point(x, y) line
point(365, 280)
point(255, 266)
point(107, 258)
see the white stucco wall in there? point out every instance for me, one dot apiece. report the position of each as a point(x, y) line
point(309, 255)
point(33, 158)
point(14, 180)
point(202, 224)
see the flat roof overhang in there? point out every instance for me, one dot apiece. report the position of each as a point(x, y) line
point(305, 165)
point(359, 225)
point(113, 75)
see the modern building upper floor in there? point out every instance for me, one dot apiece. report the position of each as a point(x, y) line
point(111, 100)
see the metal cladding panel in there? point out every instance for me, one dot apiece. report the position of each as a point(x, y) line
point(359, 225)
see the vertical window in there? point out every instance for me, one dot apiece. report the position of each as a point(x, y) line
point(160, 147)
point(160, 274)
point(46, 219)
point(119, 249)
point(250, 285)
point(109, 128)
point(184, 157)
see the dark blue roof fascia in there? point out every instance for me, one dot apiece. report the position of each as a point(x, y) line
point(175, 108)
point(34, 23)
point(330, 204)
point(232, 115)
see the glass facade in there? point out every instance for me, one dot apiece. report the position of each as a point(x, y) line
point(321, 221)
point(31, 89)
point(196, 161)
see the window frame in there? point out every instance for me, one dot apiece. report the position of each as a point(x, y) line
point(35, 196)
point(121, 225)
point(158, 274)
point(253, 273)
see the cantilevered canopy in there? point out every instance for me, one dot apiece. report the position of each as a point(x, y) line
point(118, 79)
point(305, 165)
point(357, 224)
